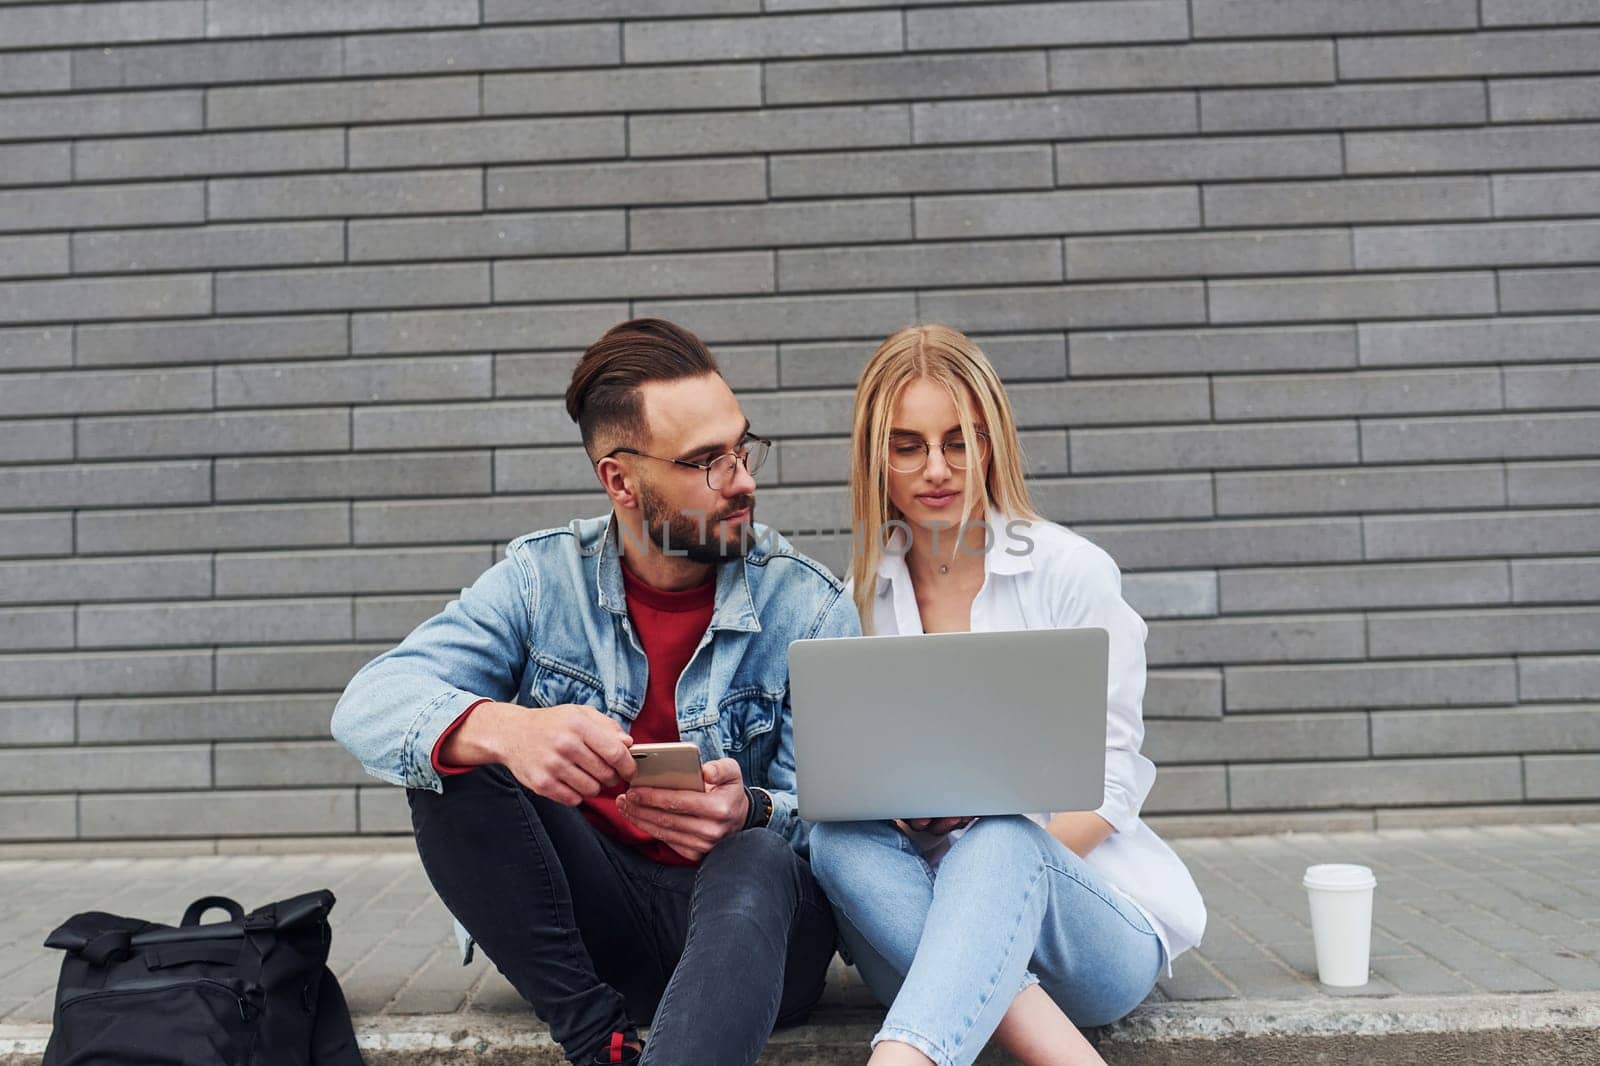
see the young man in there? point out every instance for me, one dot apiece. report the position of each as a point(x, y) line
point(509, 715)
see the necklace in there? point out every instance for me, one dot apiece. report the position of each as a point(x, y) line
point(944, 568)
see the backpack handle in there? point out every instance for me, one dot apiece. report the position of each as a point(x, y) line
point(192, 915)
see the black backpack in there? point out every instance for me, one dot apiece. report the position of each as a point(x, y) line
point(252, 991)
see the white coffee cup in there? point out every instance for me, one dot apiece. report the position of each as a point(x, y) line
point(1341, 921)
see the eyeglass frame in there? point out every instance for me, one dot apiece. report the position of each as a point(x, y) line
point(741, 456)
point(927, 452)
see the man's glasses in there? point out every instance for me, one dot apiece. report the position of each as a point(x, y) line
point(908, 455)
point(752, 452)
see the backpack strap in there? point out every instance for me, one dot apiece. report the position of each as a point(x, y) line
point(78, 930)
point(177, 954)
point(104, 947)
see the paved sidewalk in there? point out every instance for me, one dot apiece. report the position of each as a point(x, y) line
point(1500, 923)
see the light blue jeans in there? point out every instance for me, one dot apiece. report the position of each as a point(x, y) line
point(948, 950)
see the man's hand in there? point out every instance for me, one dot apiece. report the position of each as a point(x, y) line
point(937, 826)
point(566, 753)
point(691, 823)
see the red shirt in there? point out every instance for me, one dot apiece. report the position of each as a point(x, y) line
point(669, 626)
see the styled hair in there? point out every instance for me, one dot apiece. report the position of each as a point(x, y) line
point(950, 359)
point(603, 396)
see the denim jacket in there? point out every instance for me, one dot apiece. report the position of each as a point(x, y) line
point(549, 625)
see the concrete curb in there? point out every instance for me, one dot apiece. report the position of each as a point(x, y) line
point(1555, 1028)
point(1353, 1016)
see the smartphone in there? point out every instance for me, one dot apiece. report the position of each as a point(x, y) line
point(671, 765)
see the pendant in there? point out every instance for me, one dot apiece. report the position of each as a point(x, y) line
point(944, 568)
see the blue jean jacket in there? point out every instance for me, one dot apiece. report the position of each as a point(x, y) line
point(549, 625)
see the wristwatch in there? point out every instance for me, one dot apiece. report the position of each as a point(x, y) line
point(760, 815)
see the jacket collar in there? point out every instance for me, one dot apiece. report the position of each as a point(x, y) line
point(735, 608)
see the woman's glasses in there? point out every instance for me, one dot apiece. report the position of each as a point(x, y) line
point(908, 454)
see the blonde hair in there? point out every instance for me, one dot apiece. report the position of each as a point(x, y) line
point(948, 358)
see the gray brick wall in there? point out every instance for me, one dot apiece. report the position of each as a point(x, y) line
point(1299, 301)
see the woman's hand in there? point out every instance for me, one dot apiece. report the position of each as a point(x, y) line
point(937, 826)
point(1080, 831)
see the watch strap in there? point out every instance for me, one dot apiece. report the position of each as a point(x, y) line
point(760, 812)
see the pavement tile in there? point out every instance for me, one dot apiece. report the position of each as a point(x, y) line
point(1266, 980)
point(439, 986)
point(1272, 926)
point(1223, 940)
point(1299, 955)
point(1495, 973)
point(494, 994)
point(1502, 936)
point(1375, 988)
point(1507, 909)
point(1192, 978)
point(37, 1008)
point(1584, 944)
point(1547, 921)
point(1568, 970)
point(1421, 976)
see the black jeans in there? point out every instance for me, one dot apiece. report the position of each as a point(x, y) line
point(597, 937)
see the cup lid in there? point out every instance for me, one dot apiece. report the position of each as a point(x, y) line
point(1339, 875)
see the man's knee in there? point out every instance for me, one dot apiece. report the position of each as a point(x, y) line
point(752, 850)
point(751, 870)
point(482, 804)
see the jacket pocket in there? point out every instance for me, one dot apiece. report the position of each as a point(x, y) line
point(748, 721)
point(554, 683)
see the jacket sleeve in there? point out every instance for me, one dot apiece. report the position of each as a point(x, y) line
point(396, 707)
point(1089, 593)
point(837, 619)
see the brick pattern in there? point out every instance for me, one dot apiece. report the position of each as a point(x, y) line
point(1299, 304)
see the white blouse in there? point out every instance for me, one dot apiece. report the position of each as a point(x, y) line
point(1041, 575)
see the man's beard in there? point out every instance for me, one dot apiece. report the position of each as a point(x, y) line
point(692, 535)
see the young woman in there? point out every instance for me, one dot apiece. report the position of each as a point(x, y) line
point(1019, 928)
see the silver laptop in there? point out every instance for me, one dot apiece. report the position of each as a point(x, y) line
point(949, 724)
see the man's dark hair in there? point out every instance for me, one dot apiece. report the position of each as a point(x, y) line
point(603, 397)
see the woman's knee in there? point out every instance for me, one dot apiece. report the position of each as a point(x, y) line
point(1009, 830)
point(840, 849)
point(825, 844)
point(998, 843)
